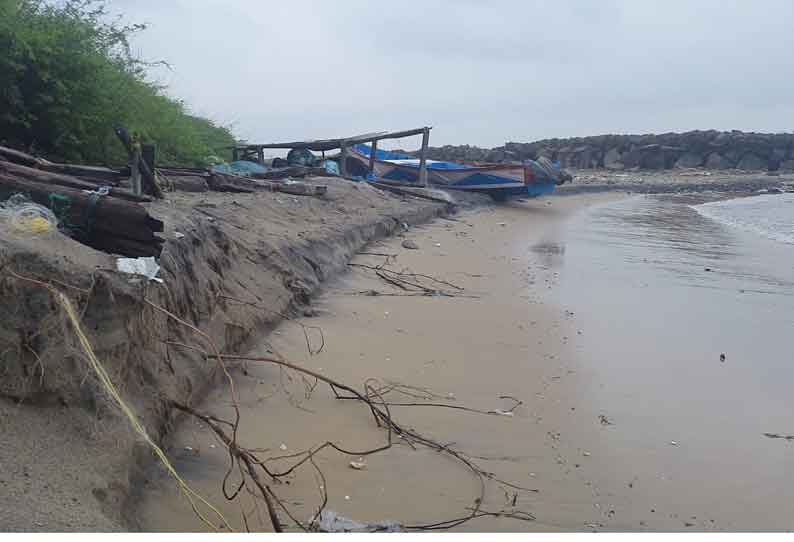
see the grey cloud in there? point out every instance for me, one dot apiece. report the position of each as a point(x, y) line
point(479, 72)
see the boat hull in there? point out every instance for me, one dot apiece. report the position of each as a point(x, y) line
point(497, 180)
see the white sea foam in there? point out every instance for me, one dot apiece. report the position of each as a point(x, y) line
point(768, 215)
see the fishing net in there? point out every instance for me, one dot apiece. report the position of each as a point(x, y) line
point(21, 216)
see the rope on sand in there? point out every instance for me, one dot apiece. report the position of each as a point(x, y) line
point(191, 495)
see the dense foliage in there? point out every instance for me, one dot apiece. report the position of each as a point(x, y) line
point(67, 78)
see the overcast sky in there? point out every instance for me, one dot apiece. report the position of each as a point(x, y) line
point(479, 72)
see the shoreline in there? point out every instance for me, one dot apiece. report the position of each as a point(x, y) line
point(304, 246)
point(474, 253)
point(575, 438)
point(268, 248)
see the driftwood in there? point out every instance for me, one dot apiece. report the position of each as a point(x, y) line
point(46, 177)
point(96, 173)
point(186, 183)
point(101, 221)
point(291, 171)
point(200, 172)
point(226, 182)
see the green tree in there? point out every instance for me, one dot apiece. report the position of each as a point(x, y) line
point(68, 78)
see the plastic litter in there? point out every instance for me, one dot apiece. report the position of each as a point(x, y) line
point(331, 167)
point(358, 465)
point(25, 218)
point(146, 267)
point(331, 522)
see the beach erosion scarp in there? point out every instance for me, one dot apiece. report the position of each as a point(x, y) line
point(232, 267)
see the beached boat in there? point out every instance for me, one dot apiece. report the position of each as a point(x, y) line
point(533, 178)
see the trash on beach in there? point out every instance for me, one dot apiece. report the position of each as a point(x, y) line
point(146, 267)
point(722, 358)
point(673, 443)
point(331, 522)
point(27, 218)
point(408, 243)
point(178, 235)
point(604, 420)
point(282, 447)
point(500, 412)
point(438, 244)
point(586, 454)
point(358, 465)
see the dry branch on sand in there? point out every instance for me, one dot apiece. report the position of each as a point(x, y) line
point(257, 477)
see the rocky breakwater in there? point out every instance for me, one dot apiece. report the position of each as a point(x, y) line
point(708, 149)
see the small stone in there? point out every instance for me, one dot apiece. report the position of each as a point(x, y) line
point(347, 497)
point(410, 244)
point(673, 443)
point(283, 447)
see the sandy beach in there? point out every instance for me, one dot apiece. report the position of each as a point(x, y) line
point(606, 442)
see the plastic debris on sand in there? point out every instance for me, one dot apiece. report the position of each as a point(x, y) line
point(146, 267)
point(331, 522)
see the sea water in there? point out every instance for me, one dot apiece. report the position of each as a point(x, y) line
point(662, 287)
point(767, 215)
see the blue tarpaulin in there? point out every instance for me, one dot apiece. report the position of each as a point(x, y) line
point(240, 167)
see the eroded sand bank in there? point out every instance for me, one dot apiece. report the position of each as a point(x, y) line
point(503, 342)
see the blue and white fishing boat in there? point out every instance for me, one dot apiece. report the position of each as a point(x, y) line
point(500, 181)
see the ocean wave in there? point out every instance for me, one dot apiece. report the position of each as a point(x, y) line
point(767, 215)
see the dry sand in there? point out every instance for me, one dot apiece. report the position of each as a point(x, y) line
point(506, 342)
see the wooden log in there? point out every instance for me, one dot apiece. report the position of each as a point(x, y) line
point(19, 157)
point(188, 183)
point(46, 177)
point(225, 182)
point(291, 171)
point(183, 171)
point(126, 247)
point(78, 207)
point(98, 173)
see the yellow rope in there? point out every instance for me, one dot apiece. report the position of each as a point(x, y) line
point(104, 378)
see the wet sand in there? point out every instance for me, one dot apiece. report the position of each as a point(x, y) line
point(608, 443)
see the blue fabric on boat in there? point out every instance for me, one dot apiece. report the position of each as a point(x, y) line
point(301, 157)
point(391, 155)
point(380, 154)
point(240, 166)
point(331, 167)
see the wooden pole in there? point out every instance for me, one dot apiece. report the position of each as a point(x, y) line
point(149, 155)
point(373, 151)
point(343, 159)
point(135, 175)
point(260, 156)
point(423, 157)
point(235, 154)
